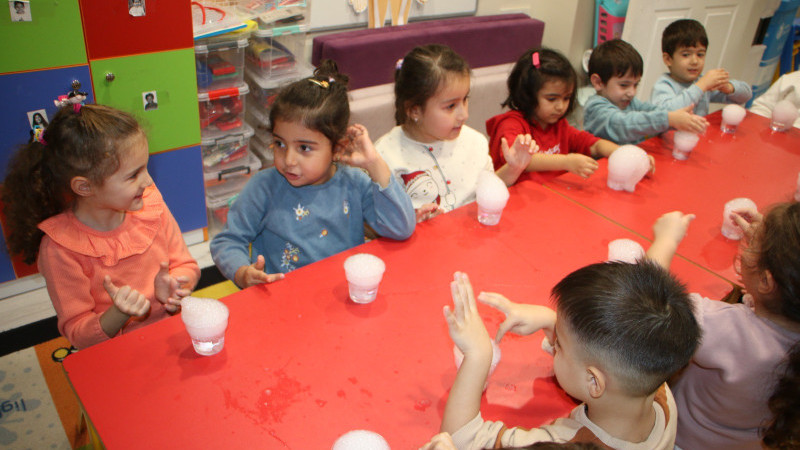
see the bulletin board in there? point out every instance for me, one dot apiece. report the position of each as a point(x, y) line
point(333, 14)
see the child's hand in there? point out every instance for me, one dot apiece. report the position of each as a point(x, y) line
point(672, 226)
point(519, 155)
point(442, 441)
point(254, 274)
point(581, 165)
point(465, 324)
point(748, 220)
point(713, 80)
point(685, 120)
point(128, 301)
point(427, 212)
point(168, 288)
point(356, 148)
point(521, 318)
point(652, 166)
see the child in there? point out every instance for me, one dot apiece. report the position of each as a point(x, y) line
point(614, 113)
point(786, 88)
point(619, 332)
point(541, 94)
point(307, 207)
point(723, 394)
point(684, 43)
point(430, 151)
point(81, 200)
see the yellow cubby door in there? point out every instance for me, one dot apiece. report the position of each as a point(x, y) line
point(124, 82)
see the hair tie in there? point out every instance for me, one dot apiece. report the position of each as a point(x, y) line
point(321, 83)
point(399, 64)
point(535, 60)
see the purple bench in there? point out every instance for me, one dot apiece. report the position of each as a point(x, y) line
point(369, 56)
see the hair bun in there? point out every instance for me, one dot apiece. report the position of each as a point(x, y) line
point(328, 71)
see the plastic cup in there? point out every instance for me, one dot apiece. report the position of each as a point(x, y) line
point(732, 116)
point(729, 228)
point(491, 194)
point(683, 144)
point(783, 116)
point(364, 273)
point(496, 353)
point(206, 320)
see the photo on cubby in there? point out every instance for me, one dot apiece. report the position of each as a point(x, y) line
point(37, 119)
point(150, 100)
point(20, 10)
point(136, 8)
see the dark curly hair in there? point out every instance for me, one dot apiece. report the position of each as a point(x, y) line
point(525, 80)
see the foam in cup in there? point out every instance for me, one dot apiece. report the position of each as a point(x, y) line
point(364, 273)
point(491, 195)
point(732, 116)
point(729, 228)
point(683, 144)
point(626, 167)
point(206, 320)
point(783, 116)
point(625, 250)
point(360, 440)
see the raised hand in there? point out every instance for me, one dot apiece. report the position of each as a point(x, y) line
point(685, 120)
point(581, 165)
point(519, 154)
point(465, 324)
point(673, 226)
point(168, 288)
point(522, 319)
point(713, 80)
point(748, 220)
point(127, 300)
point(356, 148)
point(254, 274)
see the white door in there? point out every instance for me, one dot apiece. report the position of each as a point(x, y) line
point(730, 25)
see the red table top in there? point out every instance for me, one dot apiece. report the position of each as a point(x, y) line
point(302, 364)
point(754, 162)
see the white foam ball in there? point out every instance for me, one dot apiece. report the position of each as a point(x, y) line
point(364, 269)
point(625, 250)
point(491, 192)
point(626, 167)
point(733, 114)
point(360, 440)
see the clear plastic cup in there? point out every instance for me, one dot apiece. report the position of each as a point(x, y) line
point(364, 273)
point(732, 116)
point(206, 320)
point(683, 144)
point(491, 194)
point(783, 116)
point(729, 228)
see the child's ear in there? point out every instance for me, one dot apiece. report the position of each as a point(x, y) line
point(595, 382)
point(414, 113)
point(81, 186)
point(597, 83)
point(766, 283)
point(667, 59)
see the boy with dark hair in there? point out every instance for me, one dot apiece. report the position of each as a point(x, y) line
point(684, 43)
point(614, 113)
point(619, 332)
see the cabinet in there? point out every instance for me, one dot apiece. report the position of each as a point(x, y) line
point(87, 41)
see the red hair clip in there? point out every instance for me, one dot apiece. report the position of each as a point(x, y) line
point(535, 59)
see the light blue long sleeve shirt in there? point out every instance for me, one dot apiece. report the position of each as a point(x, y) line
point(639, 121)
point(294, 226)
point(671, 95)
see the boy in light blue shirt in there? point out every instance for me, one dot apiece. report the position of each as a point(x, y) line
point(614, 113)
point(684, 43)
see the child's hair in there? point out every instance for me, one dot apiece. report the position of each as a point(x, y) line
point(683, 33)
point(526, 79)
point(420, 74)
point(777, 242)
point(636, 320)
point(318, 102)
point(79, 141)
point(615, 58)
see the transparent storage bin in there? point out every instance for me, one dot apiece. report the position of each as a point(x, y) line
point(222, 111)
point(263, 151)
point(220, 64)
point(278, 13)
point(264, 89)
point(223, 151)
point(219, 199)
point(259, 120)
point(241, 168)
point(277, 50)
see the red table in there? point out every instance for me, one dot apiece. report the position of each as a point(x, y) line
point(303, 365)
point(754, 163)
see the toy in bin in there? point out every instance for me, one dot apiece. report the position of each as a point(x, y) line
point(213, 70)
point(270, 54)
point(222, 108)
